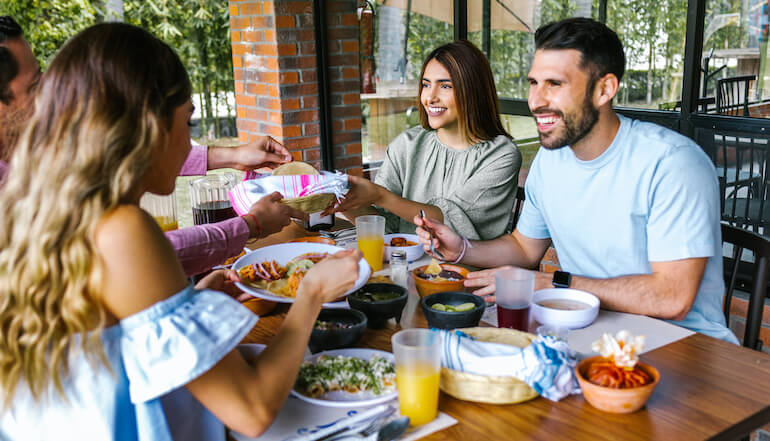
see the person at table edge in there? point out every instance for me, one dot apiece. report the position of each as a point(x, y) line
point(631, 208)
point(459, 165)
point(198, 248)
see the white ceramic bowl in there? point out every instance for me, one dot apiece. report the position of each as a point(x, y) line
point(413, 252)
point(554, 316)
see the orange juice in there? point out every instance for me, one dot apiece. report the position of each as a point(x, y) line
point(371, 247)
point(166, 223)
point(418, 392)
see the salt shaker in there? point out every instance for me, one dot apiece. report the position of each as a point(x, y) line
point(398, 268)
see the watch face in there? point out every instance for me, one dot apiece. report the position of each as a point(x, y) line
point(561, 279)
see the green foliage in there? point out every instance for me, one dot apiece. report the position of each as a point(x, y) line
point(198, 30)
point(49, 24)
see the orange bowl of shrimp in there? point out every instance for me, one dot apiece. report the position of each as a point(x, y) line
point(615, 389)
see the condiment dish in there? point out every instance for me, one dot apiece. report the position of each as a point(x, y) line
point(564, 307)
point(413, 252)
point(323, 340)
point(450, 319)
point(614, 400)
point(426, 287)
point(379, 311)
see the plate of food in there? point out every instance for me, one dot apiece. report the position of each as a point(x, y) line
point(347, 377)
point(274, 272)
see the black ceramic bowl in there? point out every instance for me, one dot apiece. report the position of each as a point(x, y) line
point(324, 340)
point(452, 320)
point(379, 312)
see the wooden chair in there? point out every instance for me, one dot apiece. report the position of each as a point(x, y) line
point(733, 95)
point(741, 240)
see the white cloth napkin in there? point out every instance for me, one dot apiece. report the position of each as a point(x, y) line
point(256, 185)
point(547, 365)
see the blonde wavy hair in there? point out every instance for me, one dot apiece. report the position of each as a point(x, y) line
point(104, 105)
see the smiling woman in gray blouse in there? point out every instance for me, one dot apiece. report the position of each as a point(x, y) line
point(460, 165)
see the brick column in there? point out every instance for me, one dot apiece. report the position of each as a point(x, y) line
point(275, 72)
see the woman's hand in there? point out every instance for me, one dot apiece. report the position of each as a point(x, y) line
point(362, 193)
point(272, 215)
point(223, 280)
point(328, 279)
point(445, 241)
point(260, 153)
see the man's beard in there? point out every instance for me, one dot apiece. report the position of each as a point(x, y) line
point(576, 125)
point(12, 123)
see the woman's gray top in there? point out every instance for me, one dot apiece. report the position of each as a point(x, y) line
point(474, 188)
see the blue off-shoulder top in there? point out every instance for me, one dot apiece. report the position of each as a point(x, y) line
point(139, 396)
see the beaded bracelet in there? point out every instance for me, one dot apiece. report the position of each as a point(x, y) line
point(256, 224)
point(466, 245)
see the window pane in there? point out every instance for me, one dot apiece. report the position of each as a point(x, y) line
point(392, 106)
point(524, 132)
point(735, 58)
point(652, 32)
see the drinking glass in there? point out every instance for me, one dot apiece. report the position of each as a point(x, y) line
point(162, 208)
point(418, 367)
point(370, 235)
point(209, 199)
point(513, 292)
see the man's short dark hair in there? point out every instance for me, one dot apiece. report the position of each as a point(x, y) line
point(9, 67)
point(600, 46)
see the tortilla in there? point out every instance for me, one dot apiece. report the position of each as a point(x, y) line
point(308, 204)
point(295, 168)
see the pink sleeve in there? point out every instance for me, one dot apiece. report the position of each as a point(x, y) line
point(196, 162)
point(202, 247)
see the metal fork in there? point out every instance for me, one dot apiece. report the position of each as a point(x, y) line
point(433, 251)
point(369, 430)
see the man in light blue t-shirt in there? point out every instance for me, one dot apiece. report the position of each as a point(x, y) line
point(631, 208)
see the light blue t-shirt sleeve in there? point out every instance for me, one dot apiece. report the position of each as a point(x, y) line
point(683, 207)
point(531, 221)
point(176, 340)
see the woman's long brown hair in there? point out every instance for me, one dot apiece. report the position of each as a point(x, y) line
point(104, 106)
point(474, 88)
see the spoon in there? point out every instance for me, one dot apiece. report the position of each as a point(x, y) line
point(393, 429)
point(432, 249)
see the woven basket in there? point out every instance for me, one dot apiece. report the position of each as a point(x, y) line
point(489, 389)
point(311, 204)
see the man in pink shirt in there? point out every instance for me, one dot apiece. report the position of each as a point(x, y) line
point(200, 247)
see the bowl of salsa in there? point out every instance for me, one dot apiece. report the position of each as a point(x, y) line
point(448, 278)
point(379, 302)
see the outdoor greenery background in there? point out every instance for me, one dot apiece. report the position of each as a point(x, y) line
point(198, 30)
point(652, 32)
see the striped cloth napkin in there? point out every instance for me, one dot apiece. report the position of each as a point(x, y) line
point(256, 185)
point(547, 365)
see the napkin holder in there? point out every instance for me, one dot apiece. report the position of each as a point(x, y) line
point(489, 389)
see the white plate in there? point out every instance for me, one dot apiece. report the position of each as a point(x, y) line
point(413, 252)
point(283, 253)
point(346, 399)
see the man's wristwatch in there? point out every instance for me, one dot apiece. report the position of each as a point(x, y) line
point(562, 279)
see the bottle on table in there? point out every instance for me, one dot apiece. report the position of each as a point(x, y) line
point(398, 268)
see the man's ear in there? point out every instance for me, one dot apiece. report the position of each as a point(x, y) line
point(605, 90)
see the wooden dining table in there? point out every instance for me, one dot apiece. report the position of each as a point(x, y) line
point(709, 390)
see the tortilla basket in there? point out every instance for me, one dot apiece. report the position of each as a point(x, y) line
point(311, 204)
point(489, 389)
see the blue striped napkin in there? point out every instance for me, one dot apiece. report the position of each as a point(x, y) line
point(547, 365)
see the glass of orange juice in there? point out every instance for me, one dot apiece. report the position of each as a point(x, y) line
point(370, 235)
point(162, 208)
point(418, 367)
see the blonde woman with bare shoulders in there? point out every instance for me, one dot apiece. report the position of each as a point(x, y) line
point(97, 319)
